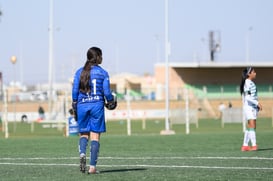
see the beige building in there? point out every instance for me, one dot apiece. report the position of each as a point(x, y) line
point(201, 75)
point(143, 85)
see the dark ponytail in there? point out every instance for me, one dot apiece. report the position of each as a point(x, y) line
point(94, 57)
point(245, 73)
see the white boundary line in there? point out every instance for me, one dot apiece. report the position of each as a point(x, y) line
point(145, 166)
point(142, 165)
point(141, 158)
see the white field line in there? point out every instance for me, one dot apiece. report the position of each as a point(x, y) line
point(142, 158)
point(141, 165)
point(145, 166)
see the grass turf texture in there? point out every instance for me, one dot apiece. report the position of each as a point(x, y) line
point(208, 153)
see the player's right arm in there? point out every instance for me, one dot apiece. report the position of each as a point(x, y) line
point(76, 85)
point(75, 91)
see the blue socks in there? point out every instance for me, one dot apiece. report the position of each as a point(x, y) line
point(94, 152)
point(82, 145)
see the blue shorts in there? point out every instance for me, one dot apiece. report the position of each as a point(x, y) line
point(91, 117)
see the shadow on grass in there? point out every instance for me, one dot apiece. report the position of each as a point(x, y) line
point(265, 149)
point(122, 170)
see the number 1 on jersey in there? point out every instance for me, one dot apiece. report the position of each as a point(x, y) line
point(94, 82)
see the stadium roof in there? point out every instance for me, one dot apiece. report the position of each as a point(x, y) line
point(217, 64)
point(219, 72)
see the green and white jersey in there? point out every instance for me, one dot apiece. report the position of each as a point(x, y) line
point(250, 94)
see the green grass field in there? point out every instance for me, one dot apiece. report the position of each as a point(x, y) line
point(207, 153)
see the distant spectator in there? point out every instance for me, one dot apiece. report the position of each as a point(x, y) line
point(24, 118)
point(229, 105)
point(221, 108)
point(41, 113)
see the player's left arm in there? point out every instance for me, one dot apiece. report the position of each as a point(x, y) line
point(110, 96)
point(106, 88)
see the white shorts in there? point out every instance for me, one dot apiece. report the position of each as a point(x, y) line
point(250, 112)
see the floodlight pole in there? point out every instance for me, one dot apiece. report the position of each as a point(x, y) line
point(50, 58)
point(13, 60)
point(167, 130)
point(247, 44)
point(6, 114)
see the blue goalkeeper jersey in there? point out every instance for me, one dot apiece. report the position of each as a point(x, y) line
point(99, 86)
point(90, 106)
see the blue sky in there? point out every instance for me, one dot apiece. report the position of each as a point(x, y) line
point(130, 33)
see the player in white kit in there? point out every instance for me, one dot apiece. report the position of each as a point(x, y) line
point(251, 107)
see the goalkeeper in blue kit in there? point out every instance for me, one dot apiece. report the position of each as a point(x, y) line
point(90, 94)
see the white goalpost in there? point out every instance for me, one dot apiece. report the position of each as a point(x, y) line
point(184, 115)
point(186, 93)
point(128, 99)
point(5, 118)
